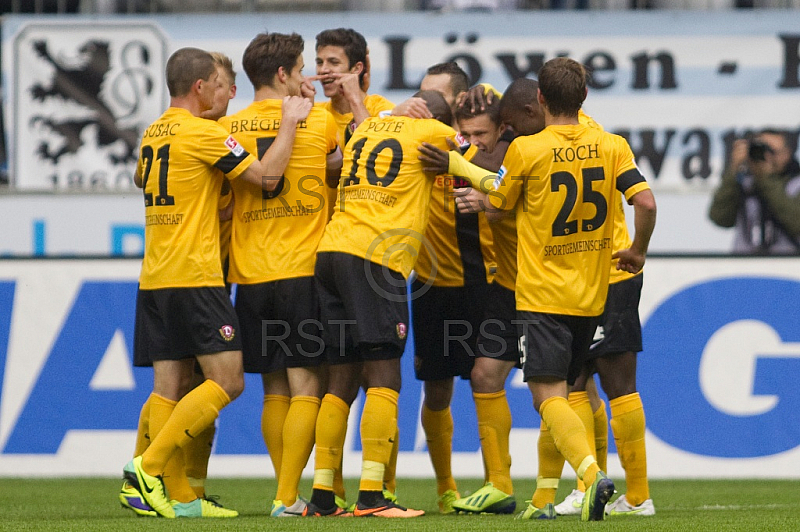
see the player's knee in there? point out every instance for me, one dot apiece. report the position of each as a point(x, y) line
point(484, 379)
point(438, 394)
point(233, 385)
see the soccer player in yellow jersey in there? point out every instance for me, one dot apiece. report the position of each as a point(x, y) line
point(496, 352)
point(365, 256)
point(618, 339)
point(454, 266)
point(560, 183)
point(273, 251)
point(183, 312)
point(198, 451)
point(342, 61)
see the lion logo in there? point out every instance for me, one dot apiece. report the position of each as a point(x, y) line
point(82, 84)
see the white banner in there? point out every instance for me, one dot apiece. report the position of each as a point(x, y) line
point(680, 85)
point(717, 378)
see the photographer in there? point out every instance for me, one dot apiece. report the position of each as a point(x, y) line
point(760, 196)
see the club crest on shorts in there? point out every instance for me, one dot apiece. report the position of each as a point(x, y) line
point(227, 332)
point(402, 331)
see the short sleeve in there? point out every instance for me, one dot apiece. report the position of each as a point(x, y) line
point(508, 184)
point(222, 151)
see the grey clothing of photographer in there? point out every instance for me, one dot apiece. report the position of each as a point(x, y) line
point(760, 197)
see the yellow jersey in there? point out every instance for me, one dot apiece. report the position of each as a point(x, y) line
point(505, 234)
point(460, 244)
point(275, 234)
point(560, 182)
point(178, 162)
point(383, 202)
point(375, 103)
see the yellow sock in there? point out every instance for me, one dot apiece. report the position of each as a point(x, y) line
point(196, 455)
point(551, 464)
point(601, 436)
point(298, 439)
point(338, 479)
point(438, 427)
point(174, 473)
point(161, 409)
point(628, 424)
point(378, 428)
point(330, 432)
point(569, 436)
point(390, 473)
point(193, 414)
point(494, 428)
point(579, 402)
point(273, 416)
point(176, 481)
point(143, 429)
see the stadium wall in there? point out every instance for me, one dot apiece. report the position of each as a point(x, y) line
point(717, 377)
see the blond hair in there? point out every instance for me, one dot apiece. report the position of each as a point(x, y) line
point(222, 60)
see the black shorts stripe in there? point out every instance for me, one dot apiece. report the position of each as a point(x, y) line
point(469, 247)
point(628, 179)
point(230, 161)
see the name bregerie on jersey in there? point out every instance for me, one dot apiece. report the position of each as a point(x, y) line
point(261, 124)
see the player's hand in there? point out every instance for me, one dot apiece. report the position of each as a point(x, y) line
point(475, 99)
point(434, 160)
point(295, 108)
point(307, 89)
point(469, 200)
point(629, 260)
point(413, 108)
point(347, 84)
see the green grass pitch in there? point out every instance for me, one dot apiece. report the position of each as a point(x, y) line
point(681, 505)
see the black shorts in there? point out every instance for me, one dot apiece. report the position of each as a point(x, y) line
point(620, 330)
point(498, 336)
point(555, 345)
point(363, 308)
point(280, 325)
point(446, 323)
point(178, 323)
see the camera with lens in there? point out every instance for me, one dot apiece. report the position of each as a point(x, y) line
point(757, 150)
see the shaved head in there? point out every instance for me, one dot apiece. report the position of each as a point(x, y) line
point(519, 108)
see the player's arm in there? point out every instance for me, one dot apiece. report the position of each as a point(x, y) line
point(266, 172)
point(137, 177)
point(413, 108)
point(644, 221)
point(507, 186)
point(438, 161)
point(333, 168)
